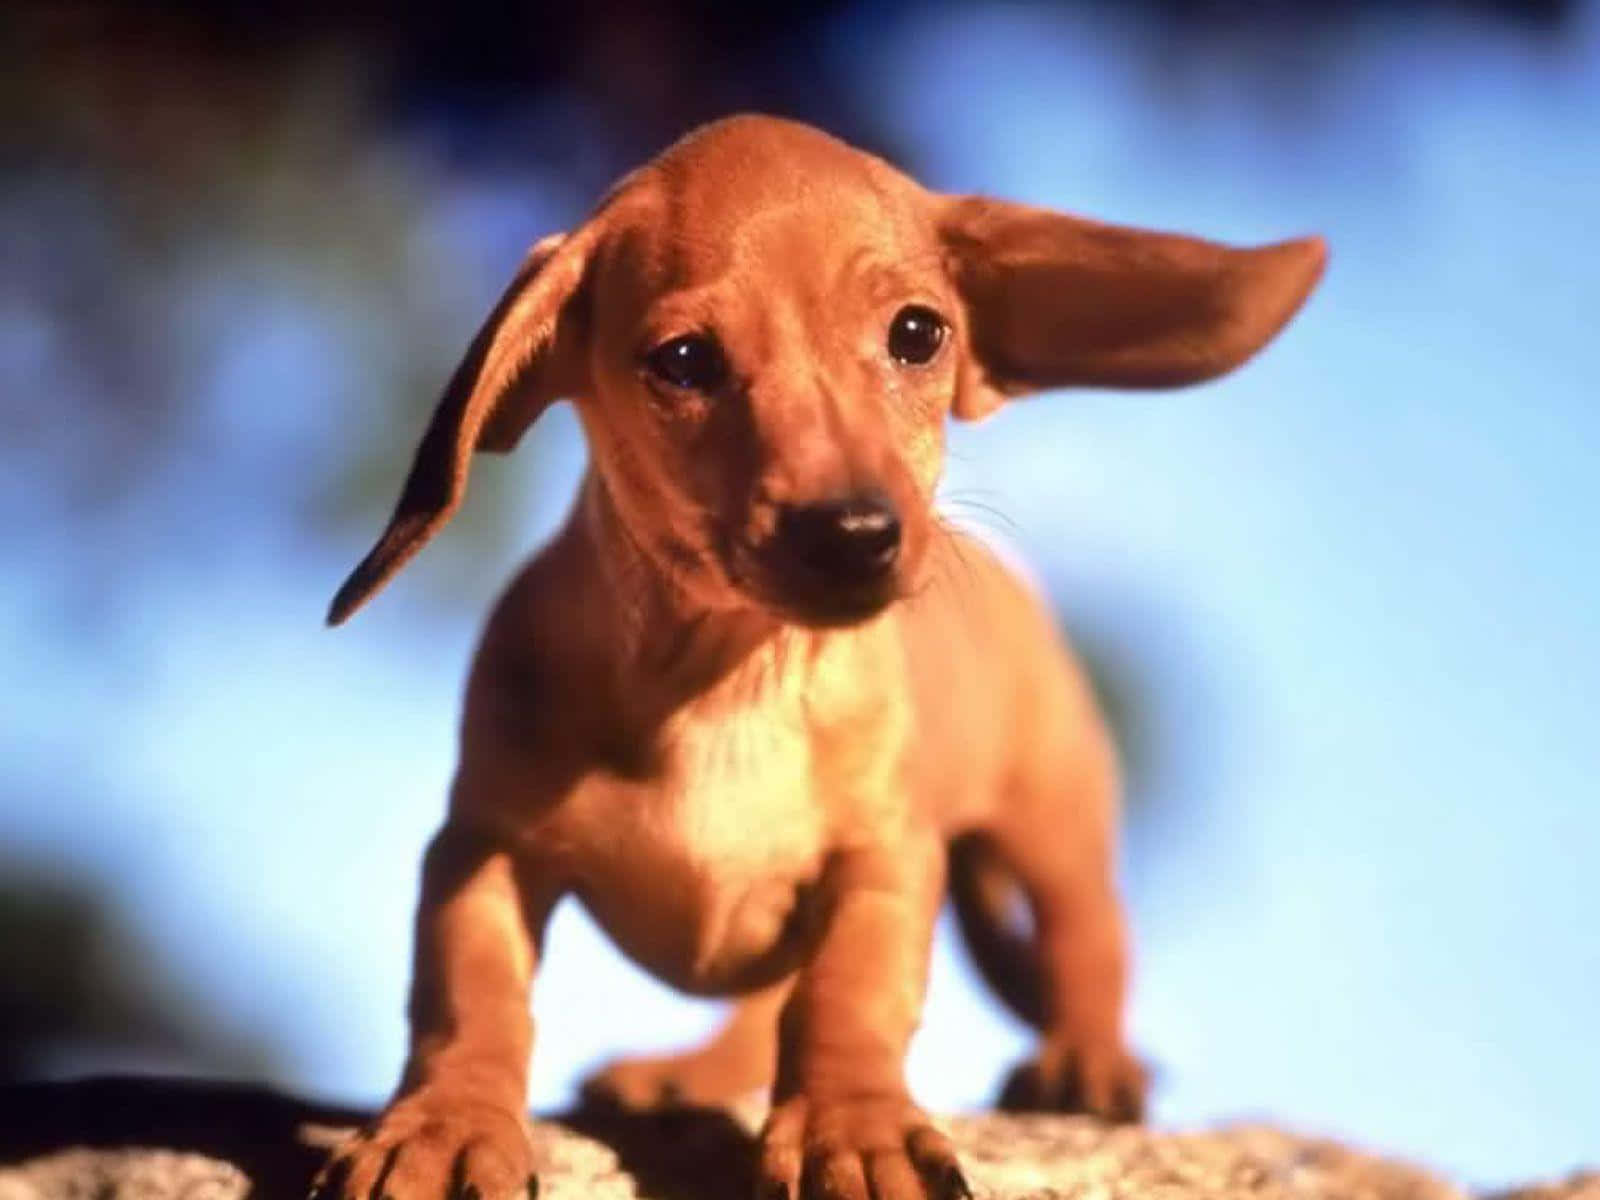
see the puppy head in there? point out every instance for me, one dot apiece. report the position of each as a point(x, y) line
point(764, 330)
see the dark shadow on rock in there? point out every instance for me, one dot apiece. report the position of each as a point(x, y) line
point(676, 1154)
point(257, 1130)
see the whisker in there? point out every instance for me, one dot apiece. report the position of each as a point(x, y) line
point(968, 507)
point(953, 570)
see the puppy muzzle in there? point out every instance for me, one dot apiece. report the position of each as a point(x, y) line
point(834, 562)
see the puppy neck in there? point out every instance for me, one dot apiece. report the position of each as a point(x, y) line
point(667, 630)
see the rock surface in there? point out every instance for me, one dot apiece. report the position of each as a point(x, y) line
point(167, 1140)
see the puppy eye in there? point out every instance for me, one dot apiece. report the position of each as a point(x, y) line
point(915, 335)
point(693, 362)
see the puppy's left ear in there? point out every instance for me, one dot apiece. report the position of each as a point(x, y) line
point(1054, 300)
point(529, 353)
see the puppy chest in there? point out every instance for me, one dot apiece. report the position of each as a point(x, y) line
point(711, 867)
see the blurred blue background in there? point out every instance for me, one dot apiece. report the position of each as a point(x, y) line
point(1343, 604)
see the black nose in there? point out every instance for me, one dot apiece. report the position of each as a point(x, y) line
point(853, 540)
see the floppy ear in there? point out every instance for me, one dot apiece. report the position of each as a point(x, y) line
point(1054, 300)
point(528, 354)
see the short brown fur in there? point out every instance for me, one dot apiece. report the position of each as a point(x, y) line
point(756, 782)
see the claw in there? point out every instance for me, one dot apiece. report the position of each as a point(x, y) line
point(458, 1177)
point(329, 1183)
point(380, 1184)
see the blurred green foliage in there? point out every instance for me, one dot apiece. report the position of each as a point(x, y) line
point(76, 986)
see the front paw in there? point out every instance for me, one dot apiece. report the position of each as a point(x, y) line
point(1104, 1081)
point(434, 1147)
point(877, 1145)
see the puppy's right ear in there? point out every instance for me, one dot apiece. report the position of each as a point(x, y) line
point(1055, 300)
point(529, 353)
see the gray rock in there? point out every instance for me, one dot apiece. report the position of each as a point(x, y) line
point(170, 1140)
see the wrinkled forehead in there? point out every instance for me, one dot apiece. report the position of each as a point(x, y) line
point(774, 212)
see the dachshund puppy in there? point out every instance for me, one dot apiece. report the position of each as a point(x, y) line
point(755, 705)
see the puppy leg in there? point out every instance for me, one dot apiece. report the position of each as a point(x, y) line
point(843, 1126)
point(738, 1060)
point(457, 1126)
point(1060, 841)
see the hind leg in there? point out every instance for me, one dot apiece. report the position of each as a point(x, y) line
point(1059, 837)
point(740, 1058)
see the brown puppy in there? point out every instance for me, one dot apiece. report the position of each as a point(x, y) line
point(752, 692)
